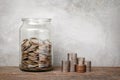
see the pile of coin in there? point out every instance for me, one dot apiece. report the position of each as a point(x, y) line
point(36, 54)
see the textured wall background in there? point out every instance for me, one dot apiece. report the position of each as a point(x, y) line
point(89, 27)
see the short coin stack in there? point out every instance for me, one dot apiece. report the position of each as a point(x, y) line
point(81, 67)
point(75, 64)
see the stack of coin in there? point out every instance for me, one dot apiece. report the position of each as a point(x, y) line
point(88, 66)
point(65, 66)
point(73, 61)
point(81, 67)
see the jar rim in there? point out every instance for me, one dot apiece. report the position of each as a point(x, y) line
point(37, 19)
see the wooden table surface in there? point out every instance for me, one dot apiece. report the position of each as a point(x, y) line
point(98, 73)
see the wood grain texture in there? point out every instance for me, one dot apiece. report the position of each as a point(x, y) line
point(98, 73)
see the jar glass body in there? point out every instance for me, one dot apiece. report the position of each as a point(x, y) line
point(35, 45)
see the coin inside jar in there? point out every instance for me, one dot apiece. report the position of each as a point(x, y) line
point(25, 44)
point(34, 41)
point(36, 53)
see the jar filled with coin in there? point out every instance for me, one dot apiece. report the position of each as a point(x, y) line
point(35, 45)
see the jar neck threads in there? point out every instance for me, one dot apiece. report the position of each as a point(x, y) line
point(36, 21)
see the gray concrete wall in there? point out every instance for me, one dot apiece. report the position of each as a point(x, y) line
point(90, 28)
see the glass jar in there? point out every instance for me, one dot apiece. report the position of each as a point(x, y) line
point(35, 45)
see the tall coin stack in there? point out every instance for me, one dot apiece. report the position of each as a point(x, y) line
point(73, 61)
